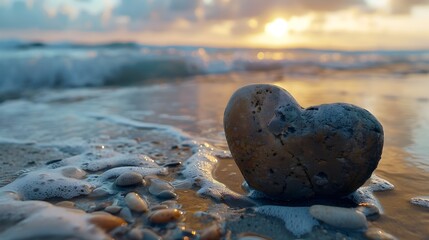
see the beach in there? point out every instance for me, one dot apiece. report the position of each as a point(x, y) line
point(168, 118)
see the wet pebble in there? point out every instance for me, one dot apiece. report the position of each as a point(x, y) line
point(378, 234)
point(66, 204)
point(135, 202)
point(161, 189)
point(113, 209)
point(135, 234)
point(73, 172)
point(369, 210)
point(150, 235)
point(167, 195)
point(339, 217)
point(99, 193)
point(164, 216)
point(251, 236)
point(106, 221)
point(158, 207)
point(126, 214)
point(129, 179)
point(214, 232)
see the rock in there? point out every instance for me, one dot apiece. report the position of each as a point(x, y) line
point(135, 234)
point(369, 210)
point(161, 189)
point(65, 204)
point(339, 217)
point(214, 232)
point(325, 150)
point(167, 195)
point(99, 193)
point(164, 216)
point(135, 202)
point(106, 221)
point(113, 209)
point(150, 235)
point(378, 234)
point(129, 179)
point(126, 214)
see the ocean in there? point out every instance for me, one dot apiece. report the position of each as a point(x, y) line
point(102, 109)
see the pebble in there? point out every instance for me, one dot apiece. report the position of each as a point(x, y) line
point(369, 210)
point(161, 189)
point(129, 179)
point(164, 216)
point(99, 193)
point(150, 235)
point(73, 172)
point(135, 234)
point(126, 214)
point(167, 195)
point(325, 150)
point(106, 221)
point(378, 234)
point(113, 209)
point(66, 204)
point(339, 217)
point(135, 202)
point(251, 236)
point(158, 207)
point(213, 232)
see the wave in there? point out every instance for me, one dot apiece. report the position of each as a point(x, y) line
point(29, 65)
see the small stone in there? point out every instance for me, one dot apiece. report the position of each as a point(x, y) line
point(164, 216)
point(378, 234)
point(251, 236)
point(339, 217)
point(73, 172)
point(135, 202)
point(113, 209)
point(150, 235)
point(158, 207)
point(167, 195)
point(106, 221)
point(157, 186)
point(129, 179)
point(289, 152)
point(214, 232)
point(135, 234)
point(99, 193)
point(369, 210)
point(65, 204)
point(126, 214)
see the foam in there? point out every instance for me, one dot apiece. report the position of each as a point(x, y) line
point(365, 194)
point(43, 184)
point(198, 172)
point(422, 201)
point(297, 219)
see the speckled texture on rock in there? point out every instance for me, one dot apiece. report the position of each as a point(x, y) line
point(290, 152)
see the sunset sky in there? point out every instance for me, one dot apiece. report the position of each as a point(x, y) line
point(346, 24)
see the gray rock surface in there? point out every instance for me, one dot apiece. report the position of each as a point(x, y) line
point(289, 152)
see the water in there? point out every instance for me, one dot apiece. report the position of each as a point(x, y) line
point(51, 119)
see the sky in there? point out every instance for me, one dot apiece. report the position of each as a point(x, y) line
point(345, 24)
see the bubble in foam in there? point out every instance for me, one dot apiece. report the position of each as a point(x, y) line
point(422, 201)
point(62, 182)
point(297, 219)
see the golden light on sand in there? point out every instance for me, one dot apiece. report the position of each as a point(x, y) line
point(277, 28)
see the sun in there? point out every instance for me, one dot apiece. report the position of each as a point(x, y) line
point(277, 28)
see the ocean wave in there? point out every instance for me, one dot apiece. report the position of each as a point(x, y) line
point(30, 65)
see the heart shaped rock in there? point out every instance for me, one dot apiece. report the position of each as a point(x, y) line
point(289, 152)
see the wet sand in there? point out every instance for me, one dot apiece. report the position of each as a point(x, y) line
point(196, 106)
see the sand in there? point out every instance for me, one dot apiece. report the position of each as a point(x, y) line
point(53, 125)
